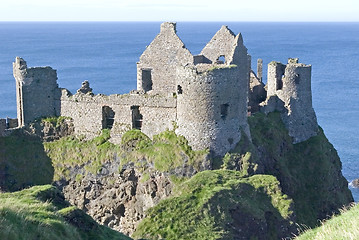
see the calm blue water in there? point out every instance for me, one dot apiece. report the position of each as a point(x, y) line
point(106, 55)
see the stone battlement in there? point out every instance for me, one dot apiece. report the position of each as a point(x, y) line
point(6, 124)
point(207, 96)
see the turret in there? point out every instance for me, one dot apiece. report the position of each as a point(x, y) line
point(291, 83)
point(212, 94)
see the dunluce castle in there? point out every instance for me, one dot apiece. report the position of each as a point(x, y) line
point(206, 98)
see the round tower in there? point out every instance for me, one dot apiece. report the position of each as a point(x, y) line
point(211, 106)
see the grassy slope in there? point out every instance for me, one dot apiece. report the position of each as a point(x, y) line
point(23, 162)
point(207, 207)
point(309, 172)
point(343, 226)
point(41, 213)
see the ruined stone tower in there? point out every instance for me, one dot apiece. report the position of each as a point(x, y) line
point(36, 91)
point(212, 94)
point(291, 83)
point(211, 88)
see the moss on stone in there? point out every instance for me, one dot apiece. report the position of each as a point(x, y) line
point(166, 152)
point(55, 121)
point(221, 66)
point(72, 152)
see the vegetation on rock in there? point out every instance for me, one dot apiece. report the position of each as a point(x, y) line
point(309, 172)
point(213, 203)
point(75, 152)
point(166, 152)
point(260, 189)
point(41, 213)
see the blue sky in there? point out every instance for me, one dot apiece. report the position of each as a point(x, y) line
point(184, 10)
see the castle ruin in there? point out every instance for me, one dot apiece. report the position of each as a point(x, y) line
point(206, 98)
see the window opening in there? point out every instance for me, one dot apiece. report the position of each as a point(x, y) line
point(146, 79)
point(108, 117)
point(221, 59)
point(136, 117)
point(280, 82)
point(224, 110)
point(179, 89)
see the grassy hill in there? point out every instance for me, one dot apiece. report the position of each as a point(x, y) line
point(41, 213)
point(212, 204)
point(343, 226)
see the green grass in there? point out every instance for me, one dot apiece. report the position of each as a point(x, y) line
point(166, 152)
point(55, 121)
point(202, 207)
point(343, 226)
point(72, 151)
point(309, 172)
point(41, 213)
point(23, 162)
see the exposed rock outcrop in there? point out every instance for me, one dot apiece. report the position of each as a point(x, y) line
point(355, 183)
point(118, 200)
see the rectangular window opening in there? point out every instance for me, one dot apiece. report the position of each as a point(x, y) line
point(136, 117)
point(224, 110)
point(146, 79)
point(108, 117)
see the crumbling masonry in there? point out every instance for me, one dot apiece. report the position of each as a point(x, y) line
point(206, 97)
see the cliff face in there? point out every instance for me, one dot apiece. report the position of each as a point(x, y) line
point(309, 172)
point(118, 199)
point(269, 183)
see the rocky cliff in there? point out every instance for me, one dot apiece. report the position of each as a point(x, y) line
point(162, 188)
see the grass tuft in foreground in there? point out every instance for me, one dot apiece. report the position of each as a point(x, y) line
point(343, 226)
point(41, 213)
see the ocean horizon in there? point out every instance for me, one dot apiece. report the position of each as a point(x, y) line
point(105, 54)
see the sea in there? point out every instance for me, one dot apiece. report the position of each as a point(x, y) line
point(105, 54)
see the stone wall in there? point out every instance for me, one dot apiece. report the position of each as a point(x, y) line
point(6, 126)
point(209, 107)
point(257, 93)
point(36, 91)
point(158, 62)
point(155, 113)
point(225, 47)
point(3, 126)
point(291, 83)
